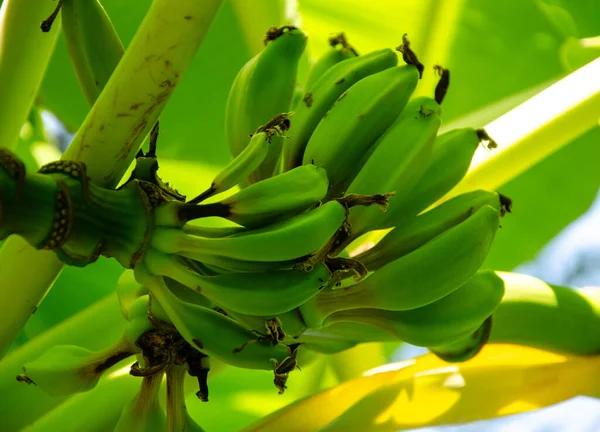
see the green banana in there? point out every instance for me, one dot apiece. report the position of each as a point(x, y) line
point(450, 161)
point(548, 317)
point(348, 131)
point(263, 88)
point(211, 332)
point(144, 413)
point(322, 95)
point(67, 369)
point(223, 265)
point(269, 200)
point(248, 160)
point(128, 291)
point(442, 322)
point(139, 323)
point(349, 331)
point(267, 293)
point(416, 279)
point(290, 239)
point(297, 96)
point(399, 160)
point(467, 347)
point(93, 44)
point(423, 228)
point(339, 51)
point(178, 418)
point(212, 232)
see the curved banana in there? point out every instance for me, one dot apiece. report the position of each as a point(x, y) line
point(128, 291)
point(248, 160)
point(421, 229)
point(290, 239)
point(349, 331)
point(231, 265)
point(144, 413)
point(212, 232)
point(467, 347)
point(93, 44)
point(262, 89)
point(339, 50)
point(450, 160)
point(213, 333)
point(322, 95)
point(442, 322)
point(67, 369)
point(425, 275)
point(350, 129)
point(399, 160)
point(139, 323)
point(269, 200)
point(267, 293)
point(548, 317)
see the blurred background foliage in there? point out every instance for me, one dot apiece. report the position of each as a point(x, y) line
point(499, 54)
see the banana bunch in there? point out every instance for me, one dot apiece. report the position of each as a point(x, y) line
point(275, 281)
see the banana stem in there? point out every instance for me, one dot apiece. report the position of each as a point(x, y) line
point(176, 410)
point(24, 55)
point(535, 129)
point(107, 141)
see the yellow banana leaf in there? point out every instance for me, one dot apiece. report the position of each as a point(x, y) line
point(425, 391)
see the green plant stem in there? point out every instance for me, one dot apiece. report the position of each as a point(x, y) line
point(158, 56)
point(94, 328)
point(535, 129)
point(24, 55)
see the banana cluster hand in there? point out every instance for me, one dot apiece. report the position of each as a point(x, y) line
point(276, 279)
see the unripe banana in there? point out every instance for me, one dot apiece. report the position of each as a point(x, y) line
point(139, 323)
point(450, 160)
point(290, 239)
point(269, 200)
point(178, 418)
point(128, 291)
point(349, 331)
point(267, 293)
point(416, 279)
point(467, 347)
point(339, 50)
point(93, 44)
point(321, 95)
point(423, 228)
point(553, 318)
point(223, 265)
point(212, 232)
point(442, 322)
point(68, 369)
point(399, 160)
point(262, 89)
point(213, 333)
point(144, 413)
point(348, 131)
point(248, 160)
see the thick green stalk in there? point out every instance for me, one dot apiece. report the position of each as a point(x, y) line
point(535, 129)
point(158, 56)
point(24, 55)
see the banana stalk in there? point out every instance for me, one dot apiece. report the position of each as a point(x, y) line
point(107, 141)
point(24, 55)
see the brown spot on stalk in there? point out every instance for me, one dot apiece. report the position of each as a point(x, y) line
point(409, 56)
point(46, 25)
point(275, 32)
point(442, 86)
